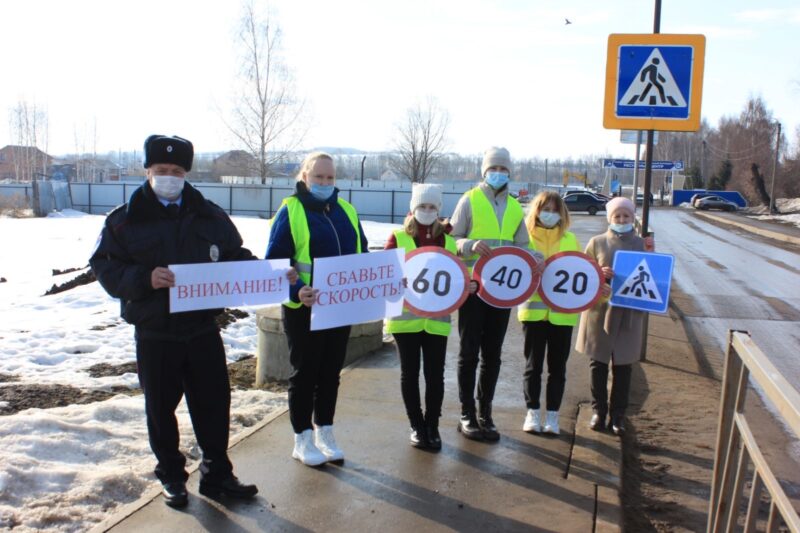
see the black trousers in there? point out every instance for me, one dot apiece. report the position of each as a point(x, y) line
point(197, 369)
point(482, 329)
point(317, 358)
point(542, 338)
point(433, 349)
point(620, 388)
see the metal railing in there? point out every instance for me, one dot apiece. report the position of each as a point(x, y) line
point(737, 449)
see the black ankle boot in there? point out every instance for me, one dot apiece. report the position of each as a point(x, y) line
point(468, 426)
point(486, 423)
point(419, 437)
point(598, 422)
point(434, 439)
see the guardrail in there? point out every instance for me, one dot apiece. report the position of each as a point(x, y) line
point(737, 448)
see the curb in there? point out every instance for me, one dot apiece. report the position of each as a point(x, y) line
point(752, 229)
point(601, 452)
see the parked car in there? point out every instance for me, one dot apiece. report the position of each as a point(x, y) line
point(695, 197)
point(640, 199)
point(715, 202)
point(584, 201)
point(597, 195)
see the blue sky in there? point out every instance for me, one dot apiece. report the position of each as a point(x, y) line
point(509, 72)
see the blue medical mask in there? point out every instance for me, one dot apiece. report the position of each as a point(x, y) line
point(549, 219)
point(496, 180)
point(321, 192)
point(621, 228)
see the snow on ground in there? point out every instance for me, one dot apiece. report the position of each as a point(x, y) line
point(67, 468)
point(789, 206)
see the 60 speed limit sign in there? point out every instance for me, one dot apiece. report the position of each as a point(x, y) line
point(437, 282)
point(571, 282)
point(506, 276)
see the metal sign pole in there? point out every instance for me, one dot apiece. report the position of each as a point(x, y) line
point(648, 173)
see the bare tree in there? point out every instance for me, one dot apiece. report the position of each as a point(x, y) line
point(30, 130)
point(421, 140)
point(267, 117)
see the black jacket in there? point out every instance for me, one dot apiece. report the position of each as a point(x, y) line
point(140, 236)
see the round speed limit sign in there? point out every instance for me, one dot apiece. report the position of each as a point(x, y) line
point(571, 282)
point(506, 276)
point(437, 282)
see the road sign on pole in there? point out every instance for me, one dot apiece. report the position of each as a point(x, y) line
point(654, 82)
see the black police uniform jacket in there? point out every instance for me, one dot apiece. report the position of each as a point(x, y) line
point(140, 236)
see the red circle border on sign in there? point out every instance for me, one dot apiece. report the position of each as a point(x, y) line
point(507, 250)
point(461, 300)
point(554, 307)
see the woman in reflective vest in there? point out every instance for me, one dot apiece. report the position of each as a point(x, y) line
point(314, 222)
point(546, 331)
point(415, 335)
point(486, 216)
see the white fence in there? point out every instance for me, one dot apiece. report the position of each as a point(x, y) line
point(378, 201)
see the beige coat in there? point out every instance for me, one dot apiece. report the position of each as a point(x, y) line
point(604, 329)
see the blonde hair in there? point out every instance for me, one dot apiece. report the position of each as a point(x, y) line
point(537, 205)
point(308, 163)
point(411, 226)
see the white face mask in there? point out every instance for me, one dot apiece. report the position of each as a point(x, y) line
point(621, 228)
point(426, 217)
point(167, 187)
point(549, 218)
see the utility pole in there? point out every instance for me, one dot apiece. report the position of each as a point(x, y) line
point(703, 165)
point(636, 168)
point(362, 169)
point(545, 172)
point(774, 168)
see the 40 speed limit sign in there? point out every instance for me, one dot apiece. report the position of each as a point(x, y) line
point(437, 282)
point(571, 282)
point(506, 276)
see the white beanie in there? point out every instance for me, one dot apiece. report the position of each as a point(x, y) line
point(425, 193)
point(495, 157)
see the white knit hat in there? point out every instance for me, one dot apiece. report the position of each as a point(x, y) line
point(425, 193)
point(495, 157)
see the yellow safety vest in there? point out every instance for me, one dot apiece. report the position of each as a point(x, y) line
point(408, 322)
point(298, 222)
point(484, 222)
point(535, 310)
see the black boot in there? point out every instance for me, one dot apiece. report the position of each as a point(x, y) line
point(486, 423)
point(468, 425)
point(598, 421)
point(618, 424)
point(434, 439)
point(419, 437)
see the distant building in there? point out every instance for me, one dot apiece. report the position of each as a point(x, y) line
point(23, 163)
point(235, 163)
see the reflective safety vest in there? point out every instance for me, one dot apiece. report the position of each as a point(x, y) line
point(408, 322)
point(484, 222)
point(298, 222)
point(535, 310)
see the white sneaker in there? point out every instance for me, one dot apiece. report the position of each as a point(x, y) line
point(551, 424)
point(323, 437)
point(305, 451)
point(533, 422)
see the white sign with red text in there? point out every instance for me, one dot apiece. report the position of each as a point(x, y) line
point(357, 288)
point(437, 282)
point(228, 284)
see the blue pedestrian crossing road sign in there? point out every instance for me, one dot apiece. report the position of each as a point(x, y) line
point(642, 281)
point(654, 82)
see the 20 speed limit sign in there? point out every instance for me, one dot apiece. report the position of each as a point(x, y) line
point(571, 282)
point(437, 282)
point(506, 277)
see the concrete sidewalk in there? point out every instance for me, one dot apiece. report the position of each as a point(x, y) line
point(773, 230)
point(522, 483)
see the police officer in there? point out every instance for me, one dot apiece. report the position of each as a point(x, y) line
point(485, 217)
point(167, 221)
